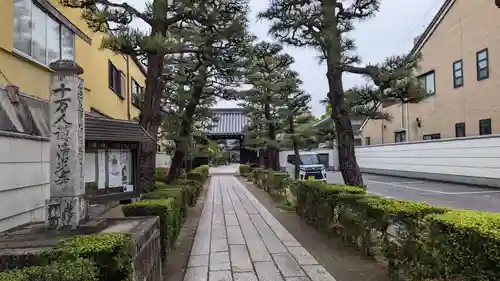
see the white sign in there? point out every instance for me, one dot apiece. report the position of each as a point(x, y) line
point(90, 167)
point(119, 165)
point(101, 155)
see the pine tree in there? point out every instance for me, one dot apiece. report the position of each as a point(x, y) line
point(295, 111)
point(324, 25)
point(113, 17)
point(261, 103)
point(215, 70)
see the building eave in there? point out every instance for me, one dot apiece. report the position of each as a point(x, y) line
point(436, 20)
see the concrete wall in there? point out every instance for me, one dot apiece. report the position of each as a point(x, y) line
point(163, 160)
point(25, 178)
point(470, 160)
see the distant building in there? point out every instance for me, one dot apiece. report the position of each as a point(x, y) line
point(460, 70)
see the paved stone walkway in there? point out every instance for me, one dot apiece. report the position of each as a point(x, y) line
point(238, 239)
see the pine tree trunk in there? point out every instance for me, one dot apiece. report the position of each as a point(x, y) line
point(295, 145)
point(272, 151)
point(186, 125)
point(150, 120)
point(345, 135)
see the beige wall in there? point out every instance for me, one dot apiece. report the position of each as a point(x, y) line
point(468, 27)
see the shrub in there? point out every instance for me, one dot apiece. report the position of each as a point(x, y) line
point(198, 186)
point(276, 183)
point(463, 244)
point(245, 170)
point(316, 201)
point(74, 270)
point(169, 214)
point(161, 174)
point(110, 252)
point(179, 193)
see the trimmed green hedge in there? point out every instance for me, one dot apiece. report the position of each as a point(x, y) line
point(245, 170)
point(169, 213)
point(110, 252)
point(74, 270)
point(161, 174)
point(463, 244)
point(419, 241)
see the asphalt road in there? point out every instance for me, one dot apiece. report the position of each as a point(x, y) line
point(435, 193)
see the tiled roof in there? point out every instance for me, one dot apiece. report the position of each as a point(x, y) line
point(230, 121)
point(96, 127)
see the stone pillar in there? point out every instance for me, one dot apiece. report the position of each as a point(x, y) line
point(66, 207)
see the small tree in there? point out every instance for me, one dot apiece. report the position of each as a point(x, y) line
point(266, 75)
point(295, 111)
point(324, 25)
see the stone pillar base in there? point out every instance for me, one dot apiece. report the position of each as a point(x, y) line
point(65, 212)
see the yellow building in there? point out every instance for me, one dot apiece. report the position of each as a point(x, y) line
point(35, 33)
point(458, 69)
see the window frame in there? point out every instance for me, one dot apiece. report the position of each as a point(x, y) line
point(455, 77)
point(433, 136)
point(400, 139)
point(115, 82)
point(140, 89)
point(423, 78)
point(460, 126)
point(49, 14)
point(481, 132)
point(478, 61)
point(368, 141)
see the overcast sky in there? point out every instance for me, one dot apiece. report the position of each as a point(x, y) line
point(390, 32)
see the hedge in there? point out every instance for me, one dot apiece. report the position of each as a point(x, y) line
point(419, 241)
point(161, 174)
point(74, 270)
point(463, 244)
point(169, 213)
point(245, 170)
point(110, 252)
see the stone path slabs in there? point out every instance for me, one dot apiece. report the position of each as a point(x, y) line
point(239, 240)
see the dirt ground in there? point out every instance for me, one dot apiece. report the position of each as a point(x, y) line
point(178, 257)
point(345, 263)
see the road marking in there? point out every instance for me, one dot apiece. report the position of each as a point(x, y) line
point(380, 194)
point(435, 191)
point(410, 182)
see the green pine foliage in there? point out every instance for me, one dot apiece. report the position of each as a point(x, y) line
point(325, 25)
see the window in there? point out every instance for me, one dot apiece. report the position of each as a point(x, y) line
point(432, 136)
point(483, 71)
point(290, 159)
point(137, 93)
point(429, 83)
point(115, 79)
point(460, 130)
point(39, 36)
point(458, 75)
point(485, 127)
point(367, 141)
point(400, 136)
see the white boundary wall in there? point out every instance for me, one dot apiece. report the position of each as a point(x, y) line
point(471, 160)
point(25, 181)
point(163, 159)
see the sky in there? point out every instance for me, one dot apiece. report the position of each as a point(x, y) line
point(391, 32)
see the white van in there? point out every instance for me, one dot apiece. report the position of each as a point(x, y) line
point(309, 166)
